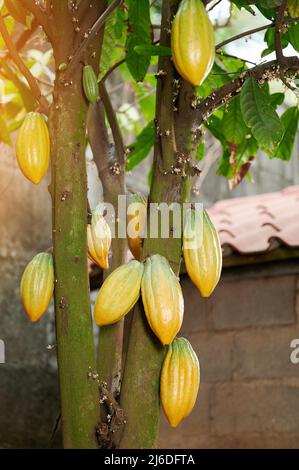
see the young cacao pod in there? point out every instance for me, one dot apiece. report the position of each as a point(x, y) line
point(98, 239)
point(202, 252)
point(18, 12)
point(118, 294)
point(179, 382)
point(90, 84)
point(293, 8)
point(136, 223)
point(33, 147)
point(37, 285)
point(162, 298)
point(192, 41)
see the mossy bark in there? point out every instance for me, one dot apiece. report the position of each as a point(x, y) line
point(140, 388)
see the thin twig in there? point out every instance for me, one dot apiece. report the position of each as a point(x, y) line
point(277, 41)
point(213, 6)
point(252, 31)
point(22, 67)
point(40, 14)
point(93, 32)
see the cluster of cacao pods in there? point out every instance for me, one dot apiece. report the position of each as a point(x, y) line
point(192, 42)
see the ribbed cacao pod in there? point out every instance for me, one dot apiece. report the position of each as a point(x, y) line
point(202, 252)
point(192, 42)
point(136, 222)
point(33, 147)
point(162, 298)
point(293, 8)
point(99, 239)
point(90, 84)
point(18, 12)
point(179, 382)
point(37, 285)
point(118, 294)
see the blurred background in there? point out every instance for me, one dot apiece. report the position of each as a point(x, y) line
point(249, 395)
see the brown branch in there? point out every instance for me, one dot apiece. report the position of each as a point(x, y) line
point(116, 132)
point(93, 32)
point(277, 41)
point(262, 72)
point(40, 15)
point(22, 67)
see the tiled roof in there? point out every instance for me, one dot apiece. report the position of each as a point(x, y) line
point(259, 223)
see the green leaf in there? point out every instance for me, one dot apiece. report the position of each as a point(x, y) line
point(259, 115)
point(153, 50)
point(293, 36)
point(234, 127)
point(200, 153)
point(269, 3)
point(108, 45)
point(290, 122)
point(276, 99)
point(139, 33)
point(243, 4)
point(142, 146)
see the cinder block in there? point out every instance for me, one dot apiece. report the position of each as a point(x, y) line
point(215, 354)
point(265, 353)
point(197, 309)
point(254, 302)
point(29, 407)
point(255, 407)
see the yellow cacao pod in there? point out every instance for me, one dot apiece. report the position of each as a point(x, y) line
point(33, 147)
point(192, 42)
point(293, 8)
point(118, 294)
point(37, 285)
point(99, 239)
point(202, 252)
point(179, 382)
point(137, 210)
point(162, 298)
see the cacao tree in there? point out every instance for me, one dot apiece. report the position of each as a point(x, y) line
point(58, 97)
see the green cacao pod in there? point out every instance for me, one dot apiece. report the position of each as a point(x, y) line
point(192, 42)
point(118, 294)
point(293, 8)
point(90, 84)
point(99, 239)
point(162, 298)
point(202, 252)
point(33, 147)
point(179, 382)
point(137, 210)
point(37, 285)
point(18, 12)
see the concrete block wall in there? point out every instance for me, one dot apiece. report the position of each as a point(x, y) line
point(249, 395)
point(28, 384)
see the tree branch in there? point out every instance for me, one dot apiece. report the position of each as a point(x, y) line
point(277, 41)
point(34, 7)
point(262, 72)
point(93, 32)
point(22, 67)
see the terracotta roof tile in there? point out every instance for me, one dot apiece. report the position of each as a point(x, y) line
point(258, 223)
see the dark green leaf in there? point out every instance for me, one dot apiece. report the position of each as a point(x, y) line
point(269, 3)
point(290, 122)
point(243, 4)
point(153, 50)
point(293, 36)
point(259, 116)
point(142, 146)
point(276, 99)
point(139, 33)
point(234, 127)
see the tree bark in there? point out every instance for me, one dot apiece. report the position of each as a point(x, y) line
point(140, 388)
